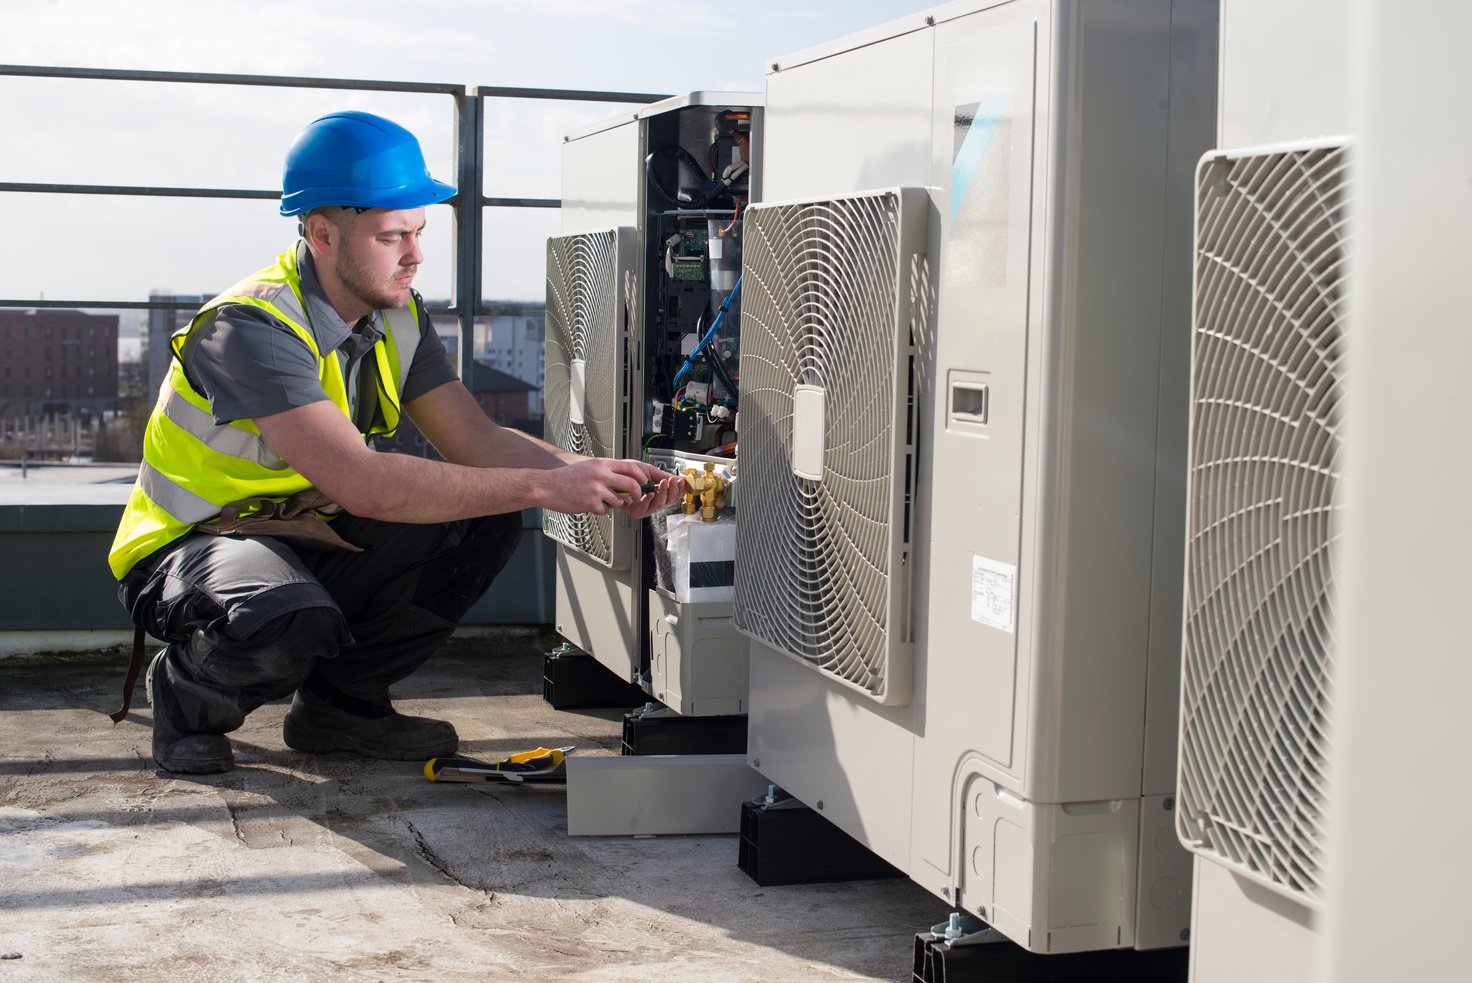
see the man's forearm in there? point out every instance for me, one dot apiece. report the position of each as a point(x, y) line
point(402, 488)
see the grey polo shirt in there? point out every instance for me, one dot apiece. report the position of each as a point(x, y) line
point(248, 364)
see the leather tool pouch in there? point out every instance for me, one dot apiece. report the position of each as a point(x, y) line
point(296, 521)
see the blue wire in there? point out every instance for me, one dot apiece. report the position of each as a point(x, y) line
point(714, 326)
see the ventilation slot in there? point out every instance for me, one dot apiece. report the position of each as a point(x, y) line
point(825, 440)
point(1265, 461)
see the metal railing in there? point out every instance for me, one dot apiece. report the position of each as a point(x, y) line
point(468, 204)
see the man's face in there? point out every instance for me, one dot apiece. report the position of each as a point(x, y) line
point(378, 254)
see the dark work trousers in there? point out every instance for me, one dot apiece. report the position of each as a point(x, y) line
point(250, 619)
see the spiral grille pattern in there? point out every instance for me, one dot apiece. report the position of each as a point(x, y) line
point(582, 325)
point(827, 301)
point(1265, 461)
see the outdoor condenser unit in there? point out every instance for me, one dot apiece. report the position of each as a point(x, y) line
point(650, 244)
point(1271, 258)
point(964, 367)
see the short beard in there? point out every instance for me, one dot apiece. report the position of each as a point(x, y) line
point(355, 277)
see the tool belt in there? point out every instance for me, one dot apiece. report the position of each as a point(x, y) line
point(298, 520)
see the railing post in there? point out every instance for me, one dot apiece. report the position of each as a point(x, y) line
point(468, 215)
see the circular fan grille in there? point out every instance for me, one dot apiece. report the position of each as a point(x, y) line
point(582, 326)
point(1265, 463)
point(814, 559)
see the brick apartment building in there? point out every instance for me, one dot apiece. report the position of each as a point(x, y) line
point(57, 362)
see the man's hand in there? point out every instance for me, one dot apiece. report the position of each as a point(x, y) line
point(668, 490)
point(598, 485)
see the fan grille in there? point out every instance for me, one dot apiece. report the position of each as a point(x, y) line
point(820, 569)
point(582, 325)
point(1265, 462)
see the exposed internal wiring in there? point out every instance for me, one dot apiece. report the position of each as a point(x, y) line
point(710, 334)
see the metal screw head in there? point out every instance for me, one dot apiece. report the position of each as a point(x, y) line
point(945, 891)
point(820, 805)
point(756, 762)
point(1170, 803)
point(929, 21)
point(1185, 935)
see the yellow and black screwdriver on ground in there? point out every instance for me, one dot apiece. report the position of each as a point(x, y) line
point(543, 765)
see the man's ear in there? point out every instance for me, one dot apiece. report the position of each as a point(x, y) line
point(319, 232)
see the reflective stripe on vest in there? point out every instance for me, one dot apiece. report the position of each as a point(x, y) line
point(192, 467)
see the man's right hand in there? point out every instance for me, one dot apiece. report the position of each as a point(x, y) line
point(598, 485)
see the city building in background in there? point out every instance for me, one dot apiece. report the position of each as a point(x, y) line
point(57, 363)
point(59, 381)
point(511, 339)
point(162, 323)
point(502, 397)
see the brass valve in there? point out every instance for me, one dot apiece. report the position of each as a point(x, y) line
point(709, 487)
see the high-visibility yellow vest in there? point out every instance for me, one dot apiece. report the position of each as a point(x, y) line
point(192, 467)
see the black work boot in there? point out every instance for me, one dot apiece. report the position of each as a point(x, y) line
point(317, 727)
point(174, 748)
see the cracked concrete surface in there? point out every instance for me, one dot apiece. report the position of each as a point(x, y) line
point(327, 867)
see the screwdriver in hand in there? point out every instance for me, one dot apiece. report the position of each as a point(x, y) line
point(646, 488)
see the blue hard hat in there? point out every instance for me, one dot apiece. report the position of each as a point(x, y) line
point(355, 158)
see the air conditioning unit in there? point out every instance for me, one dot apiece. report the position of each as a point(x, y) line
point(1271, 266)
point(965, 373)
point(652, 209)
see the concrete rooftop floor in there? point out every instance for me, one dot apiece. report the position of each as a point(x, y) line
point(333, 868)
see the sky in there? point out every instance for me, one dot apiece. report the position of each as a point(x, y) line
point(63, 131)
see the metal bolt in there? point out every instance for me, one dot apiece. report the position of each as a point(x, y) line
point(820, 805)
point(1185, 935)
point(776, 67)
point(756, 762)
point(945, 891)
point(929, 21)
point(771, 794)
point(1170, 803)
point(953, 928)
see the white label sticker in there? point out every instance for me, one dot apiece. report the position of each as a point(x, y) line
point(993, 592)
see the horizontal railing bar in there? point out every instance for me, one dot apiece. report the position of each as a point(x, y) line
point(576, 95)
point(521, 202)
point(214, 78)
point(121, 189)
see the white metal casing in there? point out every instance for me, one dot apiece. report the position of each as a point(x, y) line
point(1056, 141)
point(1285, 78)
point(1397, 820)
point(600, 607)
point(595, 605)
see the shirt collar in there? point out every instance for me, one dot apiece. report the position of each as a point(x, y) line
point(330, 330)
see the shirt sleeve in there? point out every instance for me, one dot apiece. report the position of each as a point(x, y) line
point(248, 364)
point(430, 367)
